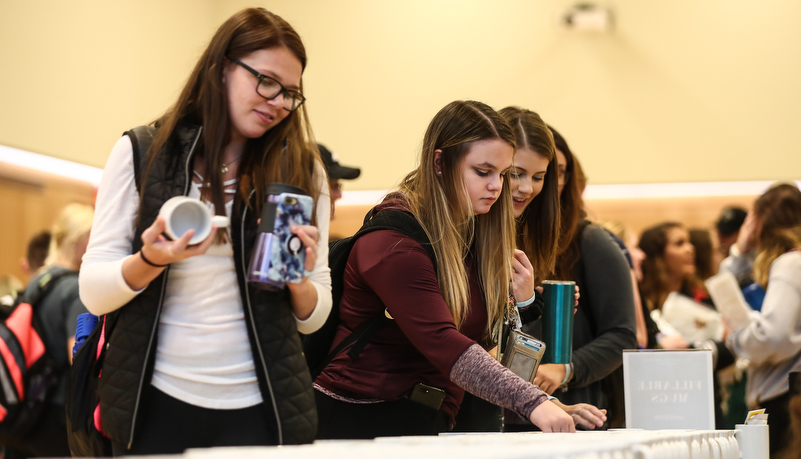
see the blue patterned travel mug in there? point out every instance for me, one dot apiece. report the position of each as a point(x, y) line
point(279, 255)
point(557, 321)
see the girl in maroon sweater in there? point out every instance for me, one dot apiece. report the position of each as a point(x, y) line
point(444, 317)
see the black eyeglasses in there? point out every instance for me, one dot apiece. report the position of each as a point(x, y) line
point(270, 88)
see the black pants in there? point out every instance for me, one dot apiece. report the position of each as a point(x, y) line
point(778, 410)
point(169, 426)
point(342, 420)
point(478, 415)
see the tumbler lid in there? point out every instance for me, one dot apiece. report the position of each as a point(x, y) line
point(558, 282)
point(278, 188)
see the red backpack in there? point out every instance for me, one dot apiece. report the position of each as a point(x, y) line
point(28, 372)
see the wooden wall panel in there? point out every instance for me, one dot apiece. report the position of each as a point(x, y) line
point(29, 202)
point(640, 213)
point(636, 213)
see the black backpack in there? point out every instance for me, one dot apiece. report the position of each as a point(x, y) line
point(316, 346)
point(28, 372)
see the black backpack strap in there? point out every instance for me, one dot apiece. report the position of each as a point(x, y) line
point(44, 284)
point(402, 222)
point(358, 338)
point(395, 220)
point(141, 138)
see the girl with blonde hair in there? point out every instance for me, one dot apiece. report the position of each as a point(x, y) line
point(772, 341)
point(69, 236)
point(445, 309)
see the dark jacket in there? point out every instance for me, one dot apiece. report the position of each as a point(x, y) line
point(604, 323)
point(283, 377)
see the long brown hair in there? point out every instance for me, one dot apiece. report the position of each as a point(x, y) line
point(654, 282)
point(539, 225)
point(441, 206)
point(572, 212)
point(653, 242)
point(701, 239)
point(778, 214)
point(283, 154)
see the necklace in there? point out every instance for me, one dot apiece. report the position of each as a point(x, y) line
point(224, 168)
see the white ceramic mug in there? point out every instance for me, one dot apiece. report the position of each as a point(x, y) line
point(182, 214)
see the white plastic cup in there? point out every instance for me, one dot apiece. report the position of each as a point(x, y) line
point(182, 214)
point(753, 440)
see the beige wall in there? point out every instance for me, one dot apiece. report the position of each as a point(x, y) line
point(682, 90)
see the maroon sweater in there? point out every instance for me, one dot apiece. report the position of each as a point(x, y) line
point(387, 269)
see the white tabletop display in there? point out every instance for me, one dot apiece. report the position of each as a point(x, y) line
point(616, 444)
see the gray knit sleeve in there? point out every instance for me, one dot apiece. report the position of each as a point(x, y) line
point(481, 375)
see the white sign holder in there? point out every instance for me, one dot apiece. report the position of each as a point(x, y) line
point(667, 389)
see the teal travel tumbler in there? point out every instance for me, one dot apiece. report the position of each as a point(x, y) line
point(557, 321)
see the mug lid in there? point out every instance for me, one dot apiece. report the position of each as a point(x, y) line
point(558, 282)
point(278, 188)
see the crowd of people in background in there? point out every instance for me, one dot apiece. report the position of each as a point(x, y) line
point(55, 256)
point(498, 195)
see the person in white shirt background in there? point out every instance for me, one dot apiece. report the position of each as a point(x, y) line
point(772, 341)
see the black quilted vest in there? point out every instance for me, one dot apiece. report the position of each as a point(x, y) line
point(284, 379)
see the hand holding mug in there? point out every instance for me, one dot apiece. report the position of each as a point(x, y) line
point(158, 250)
point(549, 377)
point(522, 276)
point(189, 227)
point(182, 214)
point(308, 236)
point(577, 295)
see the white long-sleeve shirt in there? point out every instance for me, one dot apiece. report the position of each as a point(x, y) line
point(203, 355)
point(772, 342)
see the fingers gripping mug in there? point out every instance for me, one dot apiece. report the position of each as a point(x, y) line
point(182, 214)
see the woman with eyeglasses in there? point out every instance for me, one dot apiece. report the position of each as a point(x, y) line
point(197, 357)
point(410, 377)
